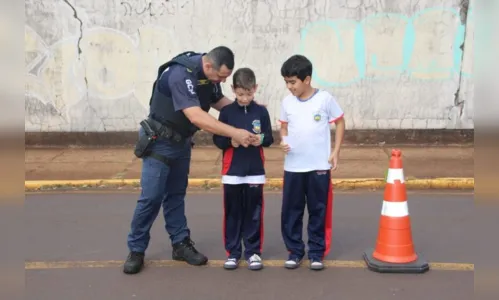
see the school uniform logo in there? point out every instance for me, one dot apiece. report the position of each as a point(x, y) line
point(317, 116)
point(257, 128)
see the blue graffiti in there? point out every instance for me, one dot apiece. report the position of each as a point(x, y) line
point(408, 45)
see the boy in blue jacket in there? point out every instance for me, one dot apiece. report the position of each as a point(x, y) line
point(243, 173)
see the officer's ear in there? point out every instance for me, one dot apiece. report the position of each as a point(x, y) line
point(208, 65)
point(255, 88)
point(233, 89)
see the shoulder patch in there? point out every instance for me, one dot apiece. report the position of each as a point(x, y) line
point(190, 86)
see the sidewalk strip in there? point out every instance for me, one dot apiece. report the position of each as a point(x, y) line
point(351, 264)
point(347, 183)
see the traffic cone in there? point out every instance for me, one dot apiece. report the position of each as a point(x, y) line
point(394, 251)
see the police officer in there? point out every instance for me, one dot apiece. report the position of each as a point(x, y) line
point(185, 89)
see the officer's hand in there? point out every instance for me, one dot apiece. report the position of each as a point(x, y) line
point(243, 137)
point(234, 143)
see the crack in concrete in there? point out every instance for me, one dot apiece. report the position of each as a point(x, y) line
point(386, 151)
point(122, 173)
point(57, 155)
point(464, 15)
point(219, 159)
point(75, 14)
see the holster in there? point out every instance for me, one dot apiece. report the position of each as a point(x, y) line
point(164, 131)
point(145, 141)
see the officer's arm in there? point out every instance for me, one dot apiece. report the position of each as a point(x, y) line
point(268, 139)
point(221, 103)
point(207, 122)
point(222, 142)
point(185, 99)
point(218, 99)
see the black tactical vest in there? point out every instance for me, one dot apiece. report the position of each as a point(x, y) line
point(161, 105)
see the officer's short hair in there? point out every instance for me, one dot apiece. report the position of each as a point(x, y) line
point(297, 65)
point(244, 78)
point(220, 56)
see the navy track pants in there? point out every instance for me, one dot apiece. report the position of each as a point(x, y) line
point(243, 219)
point(313, 189)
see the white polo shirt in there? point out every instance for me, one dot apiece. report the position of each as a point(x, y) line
point(309, 131)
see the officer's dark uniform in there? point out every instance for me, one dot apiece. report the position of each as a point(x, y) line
point(180, 84)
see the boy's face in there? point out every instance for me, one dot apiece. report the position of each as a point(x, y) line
point(244, 96)
point(296, 86)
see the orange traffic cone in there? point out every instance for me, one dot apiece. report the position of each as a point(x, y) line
point(394, 251)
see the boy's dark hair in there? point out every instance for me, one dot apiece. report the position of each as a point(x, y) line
point(244, 78)
point(297, 65)
point(220, 56)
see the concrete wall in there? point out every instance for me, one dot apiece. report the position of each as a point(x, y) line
point(392, 64)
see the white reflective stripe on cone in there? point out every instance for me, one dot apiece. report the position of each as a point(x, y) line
point(395, 174)
point(395, 209)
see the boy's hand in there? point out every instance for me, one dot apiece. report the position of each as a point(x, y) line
point(234, 143)
point(285, 147)
point(333, 160)
point(257, 141)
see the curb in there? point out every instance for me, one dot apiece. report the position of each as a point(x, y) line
point(275, 183)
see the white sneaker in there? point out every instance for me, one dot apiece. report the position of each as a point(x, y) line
point(316, 265)
point(292, 263)
point(255, 262)
point(231, 264)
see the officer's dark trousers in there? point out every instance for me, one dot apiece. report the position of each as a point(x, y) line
point(314, 190)
point(162, 186)
point(243, 219)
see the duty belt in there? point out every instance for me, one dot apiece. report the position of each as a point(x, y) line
point(154, 129)
point(164, 131)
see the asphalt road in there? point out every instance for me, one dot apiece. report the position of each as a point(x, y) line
point(77, 242)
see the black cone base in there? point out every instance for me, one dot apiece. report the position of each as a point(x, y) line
point(415, 267)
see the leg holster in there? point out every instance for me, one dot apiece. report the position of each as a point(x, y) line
point(143, 145)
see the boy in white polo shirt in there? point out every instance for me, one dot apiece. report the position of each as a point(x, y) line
point(305, 120)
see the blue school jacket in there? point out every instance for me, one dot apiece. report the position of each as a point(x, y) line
point(241, 161)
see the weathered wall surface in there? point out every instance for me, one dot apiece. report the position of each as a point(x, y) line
point(392, 64)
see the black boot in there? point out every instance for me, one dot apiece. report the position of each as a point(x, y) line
point(185, 251)
point(134, 263)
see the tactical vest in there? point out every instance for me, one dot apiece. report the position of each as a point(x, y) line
point(161, 105)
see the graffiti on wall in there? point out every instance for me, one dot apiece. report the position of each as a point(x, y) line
point(111, 66)
point(150, 8)
point(107, 86)
point(387, 45)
